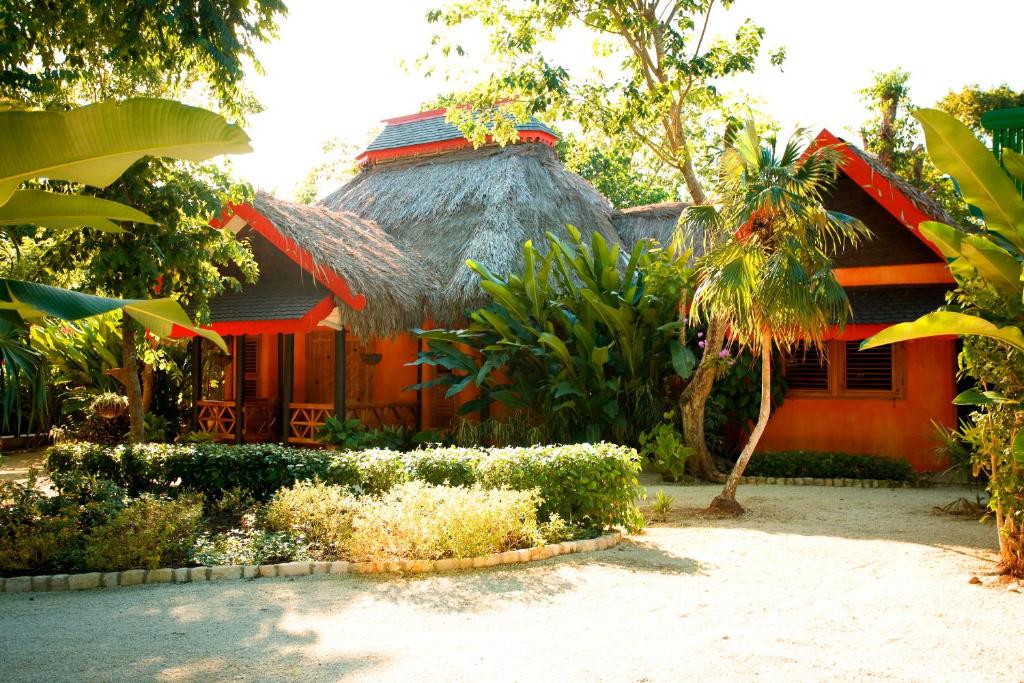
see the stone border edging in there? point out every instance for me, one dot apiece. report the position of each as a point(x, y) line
point(835, 481)
point(135, 577)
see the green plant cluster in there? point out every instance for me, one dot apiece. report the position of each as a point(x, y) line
point(352, 434)
point(828, 465)
point(588, 485)
point(665, 447)
point(92, 525)
point(584, 340)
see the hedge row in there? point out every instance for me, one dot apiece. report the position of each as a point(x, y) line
point(826, 465)
point(592, 485)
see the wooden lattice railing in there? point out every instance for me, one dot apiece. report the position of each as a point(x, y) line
point(218, 419)
point(307, 418)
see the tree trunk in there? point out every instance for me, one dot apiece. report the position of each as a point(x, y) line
point(726, 503)
point(130, 364)
point(693, 401)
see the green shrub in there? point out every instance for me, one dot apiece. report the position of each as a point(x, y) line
point(248, 546)
point(664, 445)
point(827, 465)
point(322, 514)
point(423, 522)
point(588, 485)
point(148, 533)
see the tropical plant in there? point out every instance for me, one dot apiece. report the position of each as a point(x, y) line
point(79, 357)
point(91, 145)
point(665, 447)
point(987, 309)
point(662, 505)
point(767, 272)
point(662, 83)
point(579, 340)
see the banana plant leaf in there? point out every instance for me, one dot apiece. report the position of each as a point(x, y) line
point(23, 302)
point(942, 323)
point(65, 211)
point(1014, 163)
point(954, 150)
point(94, 145)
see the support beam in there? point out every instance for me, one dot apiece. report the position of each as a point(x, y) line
point(286, 381)
point(421, 418)
point(197, 379)
point(239, 388)
point(339, 374)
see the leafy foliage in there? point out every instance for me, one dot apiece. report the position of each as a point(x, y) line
point(587, 485)
point(580, 342)
point(659, 73)
point(664, 446)
point(424, 522)
point(767, 269)
point(56, 54)
point(320, 513)
point(147, 534)
point(828, 465)
point(622, 170)
point(988, 310)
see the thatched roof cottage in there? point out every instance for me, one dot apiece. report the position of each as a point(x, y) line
point(325, 330)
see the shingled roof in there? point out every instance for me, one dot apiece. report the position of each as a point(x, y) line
point(894, 303)
point(428, 132)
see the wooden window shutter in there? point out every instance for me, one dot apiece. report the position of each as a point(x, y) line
point(807, 369)
point(869, 370)
point(252, 368)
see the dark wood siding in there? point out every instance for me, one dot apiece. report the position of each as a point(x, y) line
point(893, 243)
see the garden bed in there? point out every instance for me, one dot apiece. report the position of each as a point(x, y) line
point(142, 509)
point(135, 577)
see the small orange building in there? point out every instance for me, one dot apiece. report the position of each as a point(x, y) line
point(325, 329)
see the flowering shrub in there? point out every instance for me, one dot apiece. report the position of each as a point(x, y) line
point(148, 533)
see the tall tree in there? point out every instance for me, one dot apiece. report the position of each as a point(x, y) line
point(661, 77)
point(767, 271)
point(59, 55)
point(622, 170)
point(970, 102)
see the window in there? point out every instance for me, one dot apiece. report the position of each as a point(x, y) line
point(807, 369)
point(844, 370)
point(869, 370)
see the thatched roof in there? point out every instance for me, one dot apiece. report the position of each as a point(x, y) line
point(481, 204)
point(370, 261)
point(924, 203)
point(651, 221)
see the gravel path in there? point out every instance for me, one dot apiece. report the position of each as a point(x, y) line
point(813, 584)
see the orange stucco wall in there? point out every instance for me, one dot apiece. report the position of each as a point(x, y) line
point(899, 427)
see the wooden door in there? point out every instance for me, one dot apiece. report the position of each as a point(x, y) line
point(320, 367)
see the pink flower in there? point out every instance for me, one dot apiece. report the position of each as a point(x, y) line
point(724, 353)
point(702, 344)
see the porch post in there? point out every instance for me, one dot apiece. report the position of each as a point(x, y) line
point(197, 379)
point(339, 373)
point(422, 425)
point(239, 388)
point(286, 380)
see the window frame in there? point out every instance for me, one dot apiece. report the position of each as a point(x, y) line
point(835, 359)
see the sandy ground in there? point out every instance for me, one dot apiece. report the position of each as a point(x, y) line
point(813, 584)
point(15, 466)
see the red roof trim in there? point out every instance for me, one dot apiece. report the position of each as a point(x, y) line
point(323, 274)
point(438, 146)
point(306, 323)
point(418, 116)
point(879, 187)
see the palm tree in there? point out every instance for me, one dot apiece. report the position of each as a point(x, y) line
point(767, 273)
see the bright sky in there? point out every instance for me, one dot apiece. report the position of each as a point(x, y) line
point(336, 69)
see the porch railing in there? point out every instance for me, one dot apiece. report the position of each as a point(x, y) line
point(307, 418)
point(218, 419)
